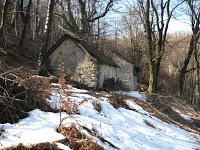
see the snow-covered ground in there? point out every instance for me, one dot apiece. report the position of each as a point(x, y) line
point(186, 117)
point(126, 129)
point(135, 94)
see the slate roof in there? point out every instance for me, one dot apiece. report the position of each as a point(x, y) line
point(122, 56)
point(99, 56)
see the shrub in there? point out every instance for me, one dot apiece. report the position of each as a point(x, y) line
point(21, 92)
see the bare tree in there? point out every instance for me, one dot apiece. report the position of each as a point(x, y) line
point(81, 15)
point(194, 13)
point(26, 21)
point(156, 18)
point(47, 30)
point(6, 17)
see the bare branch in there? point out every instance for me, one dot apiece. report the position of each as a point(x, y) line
point(107, 9)
point(10, 71)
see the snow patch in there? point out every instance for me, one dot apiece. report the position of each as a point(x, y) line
point(133, 105)
point(123, 128)
point(62, 146)
point(186, 117)
point(135, 94)
point(37, 128)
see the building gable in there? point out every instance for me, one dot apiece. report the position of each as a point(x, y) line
point(93, 52)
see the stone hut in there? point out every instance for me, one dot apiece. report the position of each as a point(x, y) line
point(87, 65)
point(125, 72)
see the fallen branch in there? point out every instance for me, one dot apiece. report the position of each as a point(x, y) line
point(99, 137)
point(2, 130)
point(10, 71)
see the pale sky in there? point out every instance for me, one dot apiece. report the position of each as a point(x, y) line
point(178, 26)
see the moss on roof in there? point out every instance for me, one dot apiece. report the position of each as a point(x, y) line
point(99, 56)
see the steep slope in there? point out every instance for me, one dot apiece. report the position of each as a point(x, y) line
point(128, 127)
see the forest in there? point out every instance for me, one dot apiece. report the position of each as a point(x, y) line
point(167, 63)
point(157, 40)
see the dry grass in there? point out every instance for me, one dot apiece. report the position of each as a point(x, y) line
point(2, 130)
point(118, 101)
point(21, 92)
point(149, 124)
point(41, 146)
point(161, 107)
point(99, 94)
point(97, 106)
point(94, 133)
point(76, 140)
point(90, 145)
point(157, 106)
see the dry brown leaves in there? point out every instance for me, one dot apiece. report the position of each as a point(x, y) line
point(149, 124)
point(41, 146)
point(21, 92)
point(97, 106)
point(118, 101)
point(77, 140)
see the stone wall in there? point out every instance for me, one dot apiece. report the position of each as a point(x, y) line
point(105, 72)
point(82, 69)
point(86, 73)
point(125, 73)
point(70, 54)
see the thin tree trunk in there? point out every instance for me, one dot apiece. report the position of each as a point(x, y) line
point(1, 11)
point(37, 17)
point(197, 70)
point(151, 87)
point(47, 30)
point(4, 14)
point(6, 19)
point(150, 49)
point(184, 67)
point(25, 25)
point(157, 73)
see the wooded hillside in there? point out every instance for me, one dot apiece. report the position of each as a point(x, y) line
point(166, 63)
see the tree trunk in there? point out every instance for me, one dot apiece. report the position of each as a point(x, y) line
point(157, 74)
point(4, 14)
point(37, 17)
point(197, 69)
point(183, 70)
point(26, 20)
point(151, 87)
point(5, 18)
point(42, 60)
